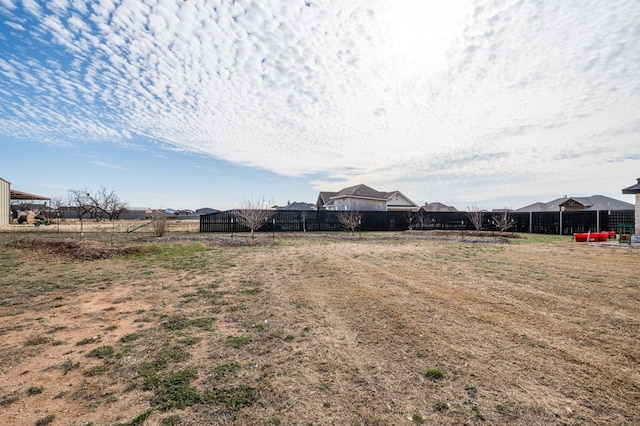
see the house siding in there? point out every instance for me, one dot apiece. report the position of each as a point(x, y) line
point(637, 215)
point(5, 201)
point(359, 204)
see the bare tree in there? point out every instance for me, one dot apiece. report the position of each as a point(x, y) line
point(503, 220)
point(55, 204)
point(253, 214)
point(421, 218)
point(475, 216)
point(80, 202)
point(106, 202)
point(350, 219)
point(411, 218)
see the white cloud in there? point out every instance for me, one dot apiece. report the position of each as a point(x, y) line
point(407, 93)
point(107, 165)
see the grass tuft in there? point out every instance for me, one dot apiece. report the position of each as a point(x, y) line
point(98, 370)
point(237, 341)
point(174, 391)
point(224, 370)
point(233, 398)
point(37, 340)
point(34, 390)
point(46, 420)
point(434, 374)
point(102, 352)
point(129, 337)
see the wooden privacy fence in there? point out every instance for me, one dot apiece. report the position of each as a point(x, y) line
point(561, 223)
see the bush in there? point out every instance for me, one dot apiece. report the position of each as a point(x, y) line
point(159, 223)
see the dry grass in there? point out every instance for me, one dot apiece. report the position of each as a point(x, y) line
point(385, 329)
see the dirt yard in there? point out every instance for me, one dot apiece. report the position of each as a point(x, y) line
point(383, 329)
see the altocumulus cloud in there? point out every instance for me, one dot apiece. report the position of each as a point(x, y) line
point(403, 94)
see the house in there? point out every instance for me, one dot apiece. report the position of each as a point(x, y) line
point(296, 206)
point(206, 210)
point(437, 207)
point(363, 198)
point(570, 204)
point(635, 190)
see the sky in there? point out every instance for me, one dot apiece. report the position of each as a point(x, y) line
point(209, 103)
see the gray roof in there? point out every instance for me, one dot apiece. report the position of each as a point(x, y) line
point(438, 207)
point(206, 210)
point(297, 206)
point(325, 198)
point(633, 189)
point(360, 191)
point(595, 202)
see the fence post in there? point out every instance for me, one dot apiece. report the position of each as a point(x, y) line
point(560, 222)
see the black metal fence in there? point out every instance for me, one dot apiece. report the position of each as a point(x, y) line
point(561, 223)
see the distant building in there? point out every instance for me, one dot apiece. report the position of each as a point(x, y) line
point(595, 202)
point(437, 207)
point(635, 190)
point(206, 210)
point(5, 202)
point(295, 206)
point(363, 198)
point(7, 195)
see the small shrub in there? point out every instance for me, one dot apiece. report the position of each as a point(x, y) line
point(34, 390)
point(37, 340)
point(140, 418)
point(159, 223)
point(228, 369)
point(172, 354)
point(434, 374)
point(233, 398)
point(190, 341)
point(9, 399)
point(174, 391)
point(98, 370)
point(203, 323)
point(471, 391)
point(171, 421)
point(89, 340)
point(289, 337)
point(176, 322)
point(46, 420)
point(417, 418)
point(479, 415)
point(237, 341)
point(129, 337)
point(69, 366)
point(102, 352)
point(440, 406)
point(179, 322)
point(56, 329)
